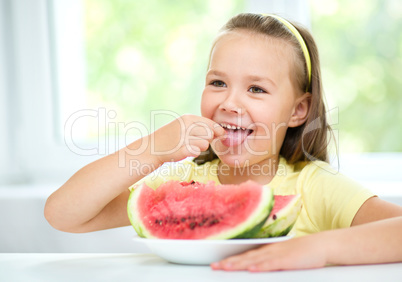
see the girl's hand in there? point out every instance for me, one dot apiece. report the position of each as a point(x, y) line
point(187, 136)
point(299, 253)
point(374, 242)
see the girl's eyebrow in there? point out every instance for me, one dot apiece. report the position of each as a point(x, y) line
point(259, 78)
point(249, 77)
point(216, 72)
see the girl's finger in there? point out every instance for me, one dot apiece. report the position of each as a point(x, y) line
point(207, 130)
point(194, 151)
point(200, 143)
point(200, 129)
point(218, 130)
point(215, 127)
point(266, 265)
point(242, 261)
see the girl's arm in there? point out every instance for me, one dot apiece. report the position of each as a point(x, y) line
point(93, 198)
point(96, 196)
point(367, 243)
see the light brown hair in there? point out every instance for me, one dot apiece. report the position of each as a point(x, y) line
point(308, 141)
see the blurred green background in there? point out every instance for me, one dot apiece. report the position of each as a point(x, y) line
point(152, 55)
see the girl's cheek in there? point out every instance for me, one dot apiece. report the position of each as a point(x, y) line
point(206, 106)
point(204, 110)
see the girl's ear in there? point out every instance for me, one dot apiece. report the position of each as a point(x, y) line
point(301, 110)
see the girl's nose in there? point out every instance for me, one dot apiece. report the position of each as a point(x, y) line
point(231, 105)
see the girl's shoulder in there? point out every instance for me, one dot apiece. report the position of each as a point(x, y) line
point(307, 169)
point(308, 176)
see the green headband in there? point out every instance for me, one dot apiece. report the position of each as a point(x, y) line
point(299, 38)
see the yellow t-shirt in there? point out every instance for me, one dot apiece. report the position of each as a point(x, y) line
point(330, 199)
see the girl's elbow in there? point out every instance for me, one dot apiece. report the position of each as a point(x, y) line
point(51, 215)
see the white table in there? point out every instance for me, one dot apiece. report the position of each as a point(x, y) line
point(31, 267)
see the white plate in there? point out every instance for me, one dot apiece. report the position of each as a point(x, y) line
point(202, 252)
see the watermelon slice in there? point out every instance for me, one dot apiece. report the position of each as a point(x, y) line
point(283, 216)
point(182, 210)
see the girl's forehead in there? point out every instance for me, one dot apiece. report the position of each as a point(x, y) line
point(244, 34)
point(256, 40)
point(245, 46)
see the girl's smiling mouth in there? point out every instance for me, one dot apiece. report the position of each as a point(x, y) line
point(235, 134)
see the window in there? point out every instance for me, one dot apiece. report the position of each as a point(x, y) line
point(76, 70)
point(361, 58)
point(59, 69)
point(360, 49)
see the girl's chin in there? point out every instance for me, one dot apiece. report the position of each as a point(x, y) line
point(234, 162)
point(222, 150)
point(239, 160)
point(239, 156)
point(242, 151)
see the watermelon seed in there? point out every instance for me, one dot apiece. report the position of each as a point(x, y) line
point(213, 222)
point(183, 219)
point(274, 216)
point(192, 225)
point(157, 221)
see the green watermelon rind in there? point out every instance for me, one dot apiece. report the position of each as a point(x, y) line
point(286, 219)
point(133, 215)
point(274, 231)
point(253, 231)
point(246, 229)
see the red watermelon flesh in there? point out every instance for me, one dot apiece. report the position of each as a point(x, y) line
point(280, 202)
point(182, 210)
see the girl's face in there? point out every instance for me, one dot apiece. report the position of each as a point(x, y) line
point(249, 91)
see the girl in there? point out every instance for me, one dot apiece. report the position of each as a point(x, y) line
point(263, 118)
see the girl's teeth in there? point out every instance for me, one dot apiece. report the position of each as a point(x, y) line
point(228, 126)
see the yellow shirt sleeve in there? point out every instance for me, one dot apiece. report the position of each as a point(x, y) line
point(330, 199)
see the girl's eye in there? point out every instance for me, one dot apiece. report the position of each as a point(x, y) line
point(255, 89)
point(218, 83)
